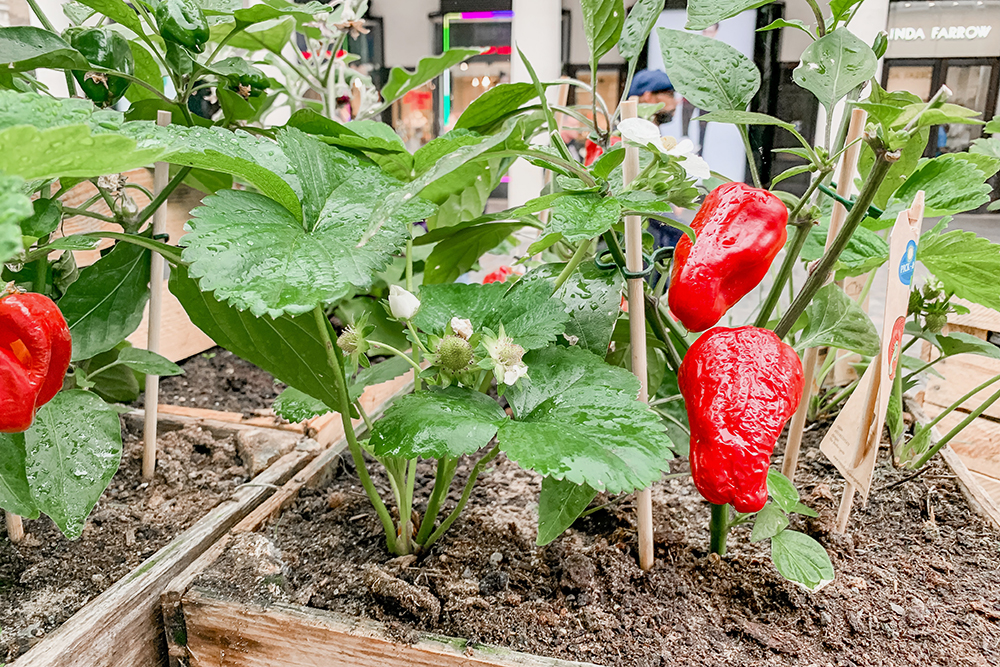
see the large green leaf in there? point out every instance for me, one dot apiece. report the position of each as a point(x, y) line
point(366, 135)
point(702, 14)
point(602, 23)
point(834, 65)
point(287, 347)
point(710, 74)
point(638, 24)
point(963, 343)
point(118, 11)
point(801, 559)
point(865, 250)
point(297, 406)
point(459, 252)
point(147, 362)
point(495, 105)
point(530, 315)
point(25, 48)
point(578, 420)
point(743, 118)
point(105, 303)
point(560, 503)
point(270, 35)
point(15, 496)
point(437, 423)
point(966, 264)
point(951, 185)
point(836, 320)
point(72, 451)
point(255, 254)
point(274, 9)
point(14, 208)
point(580, 217)
point(946, 114)
point(147, 69)
point(402, 81)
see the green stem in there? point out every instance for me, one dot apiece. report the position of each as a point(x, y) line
point(820, 21)
point(476, 471)
point(442, 482)
point(42, 268)
point(655, 319)
point(581, 251)
point(679, 334)
point(839, 396)
point(151, 207)
point(90, 214)
point(718, 527)
point(364, 415)
point(954, 406)
point(169, 252)
point(568, 164)
point(961, 425)
point(47, 24)
point(406, 509)
point(927, 365)
point(390, 349)
point(745, 135)
point(484, 386)
point(831, 359)
point(340, 384)
point(819, 276)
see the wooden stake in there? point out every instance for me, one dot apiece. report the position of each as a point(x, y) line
point(161, 175)
point(15, 528)
point(637, 328)
point(845, 182)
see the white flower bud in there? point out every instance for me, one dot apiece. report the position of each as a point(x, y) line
point(461, 328)
point(402, 304)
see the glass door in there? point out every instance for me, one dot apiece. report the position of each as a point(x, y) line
point(970, 87)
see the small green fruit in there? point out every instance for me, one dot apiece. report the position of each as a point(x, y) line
point(454, 353)
point(935, 322)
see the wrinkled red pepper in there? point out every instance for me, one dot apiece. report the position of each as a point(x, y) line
point(498, 276)
point(740, 387)
point(35, 351)
point(739, 230)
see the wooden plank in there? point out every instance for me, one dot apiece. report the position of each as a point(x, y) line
point(328, 428)
point(978, 444)
point(223, 633)
point(963, 373)
point(272, 421)
point(979, 317)
point(122, 627)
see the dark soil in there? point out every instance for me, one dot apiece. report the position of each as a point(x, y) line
point(918, 576)
point(219, 380)
point(47, 578)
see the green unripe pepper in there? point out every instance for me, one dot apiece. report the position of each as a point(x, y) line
point(182, 22)
point(104, 48)
point(243, 78)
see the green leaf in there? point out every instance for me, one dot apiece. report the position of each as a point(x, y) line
point(984, 162)
point(117, 11)
point(366, 135)
point(801, 559)
point(72, 451)
point(70, 243)
point(45, 218)
point(710, 74)
point(436, 423)
point(738, 117)
point(14, 208)
point(15, 496)
point(638, 24)
point(865, 251)
point(789, 173)
point(963, 343)
point(530, 315)
point(287, 347)
point(966, 264)
point(647, 205)
point(782, 491)
point(702, 14)
point(950, 184)
point(993, 126)
point(769, 522)
point(459, 252)
point(836, 320)
point(894, 410)
point(148, 363)
point(578, 420)
point(273, 9)
point(252, 252)
point(834, 65)
point(592, 298)
point(270, 35)
point(605, 164)
point(384, 371)
point(402, 81)
point(602, 23)
point(787, 23)
point(581, 217)
point(495, 105)
point(840, 8)
point(804, 510)
point(117, 384)
point(560, 503)
point(946, 114)
point(26, 48)
point(296, 406)
point(106, 302)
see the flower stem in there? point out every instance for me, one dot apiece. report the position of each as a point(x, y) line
point(718, 527)
point(390, 349)
point(442, 482)
point(476, 471)
point(340, 385)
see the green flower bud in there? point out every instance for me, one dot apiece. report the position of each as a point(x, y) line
point(454, 353)
point(935, 321)
point(352, 341)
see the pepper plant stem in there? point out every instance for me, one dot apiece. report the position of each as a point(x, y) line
point(819, 275)
point(718, 527)
point(151, 207)
point(574, 261)
point(476, 471)
point(745, 135)
point(340, 384)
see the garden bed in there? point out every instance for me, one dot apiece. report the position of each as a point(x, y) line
point(918, 582)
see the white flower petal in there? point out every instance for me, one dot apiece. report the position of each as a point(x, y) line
point(684, 147)
point(640, 130)
point(461, 328)
point(402, 304)
point(696, 167)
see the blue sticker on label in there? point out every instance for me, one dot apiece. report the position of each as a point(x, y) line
point(907, 263)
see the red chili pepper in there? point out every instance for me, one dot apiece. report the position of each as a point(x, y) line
point(498, 276)
point(36, 348)
point(739, 230)
point(740, 387)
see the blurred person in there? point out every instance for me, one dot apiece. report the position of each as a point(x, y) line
point(653, 86)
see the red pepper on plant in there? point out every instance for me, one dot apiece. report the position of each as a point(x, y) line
point(739, 230)
point(35, 351)
point(740, 387)
point(498, 276)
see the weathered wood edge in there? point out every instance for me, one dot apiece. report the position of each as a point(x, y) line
point(978, 499)
point(287, 635)
point(111, 630)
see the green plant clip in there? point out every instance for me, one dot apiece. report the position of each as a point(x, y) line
point(873, 211)
point(649, 262)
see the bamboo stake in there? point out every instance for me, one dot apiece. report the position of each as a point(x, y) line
point(161, 175)
point(637, 329)
point(15, 528)
point(845, 182)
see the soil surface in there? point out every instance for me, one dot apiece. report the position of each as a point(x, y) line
point(219, 380)
point(918, 575)
point(47, 578)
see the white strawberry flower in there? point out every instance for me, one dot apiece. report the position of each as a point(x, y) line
point(643, 132)
point(506, 355)
point(402, 304)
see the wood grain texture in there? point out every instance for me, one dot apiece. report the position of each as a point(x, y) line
point(961, 374)
point(264, 421)
point(978, 443)
point(227, 634)
point(978, 317)
point(123, 626)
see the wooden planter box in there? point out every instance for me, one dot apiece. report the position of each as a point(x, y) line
point(123, 627)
